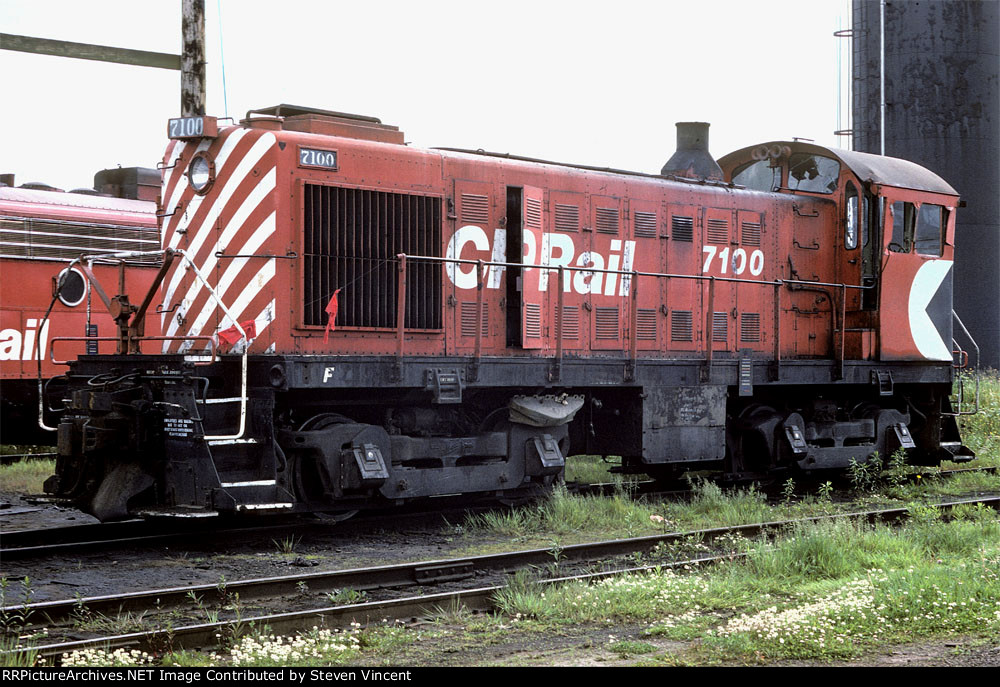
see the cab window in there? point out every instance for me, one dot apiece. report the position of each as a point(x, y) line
point(813, 173)
point(851, 218)
point(903, 219)
point(758, 176)
point(930, 221)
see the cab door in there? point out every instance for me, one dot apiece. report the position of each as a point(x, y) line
point(915, 289)
point(534, 281)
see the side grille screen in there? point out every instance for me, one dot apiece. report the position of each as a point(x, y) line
point(681, 325)
point(352, 238)
point(53, 240)
point(682, 228)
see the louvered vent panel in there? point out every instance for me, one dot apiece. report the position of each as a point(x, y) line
point(571, 322)
point(720, 326)
point(468, 315)
point(645, 324)
point(718, 231)
point(607, 220)
point(66, 241)
point(606, 323)
point(533, 320)
point(645, 224)
point(681, 325)
point(475, 208)
point(351, 240)
point(682, 228)
point(750, 327)
point(567, 217)
point(751, 234)
point(533, 213)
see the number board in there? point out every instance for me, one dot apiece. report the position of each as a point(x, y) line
point(313, 157)
point(193, 127)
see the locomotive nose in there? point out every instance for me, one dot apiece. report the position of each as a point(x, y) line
point(692, 159)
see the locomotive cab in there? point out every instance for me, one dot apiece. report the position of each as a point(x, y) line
point(887, 274)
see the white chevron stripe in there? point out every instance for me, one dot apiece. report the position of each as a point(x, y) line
point(926, 283)
point(259, 194)
point(258, 237)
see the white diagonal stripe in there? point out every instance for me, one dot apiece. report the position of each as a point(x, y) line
point(204, 230)
point(256, 197)
point(258, 236)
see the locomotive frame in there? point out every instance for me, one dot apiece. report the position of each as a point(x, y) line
point(489, 315)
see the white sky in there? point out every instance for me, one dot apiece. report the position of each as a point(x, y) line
point(599, 83)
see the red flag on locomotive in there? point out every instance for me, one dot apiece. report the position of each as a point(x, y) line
point(331, 308)
point(232, 335)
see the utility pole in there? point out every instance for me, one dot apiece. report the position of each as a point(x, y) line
point(193, 58)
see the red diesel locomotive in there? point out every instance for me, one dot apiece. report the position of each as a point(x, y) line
point(348, 321)
point(42, 231)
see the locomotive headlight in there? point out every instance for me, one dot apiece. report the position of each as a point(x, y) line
point(201, 173)
point(71, 287)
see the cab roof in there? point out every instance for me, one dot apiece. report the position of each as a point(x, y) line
point(887, 171)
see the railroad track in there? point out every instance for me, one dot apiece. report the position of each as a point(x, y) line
point(381, 577)
point(23, 544)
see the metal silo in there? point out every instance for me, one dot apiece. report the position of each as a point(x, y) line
point(929, 71)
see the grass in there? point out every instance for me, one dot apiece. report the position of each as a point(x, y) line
point(824, 591)
point(981, 432)
point(26, 476)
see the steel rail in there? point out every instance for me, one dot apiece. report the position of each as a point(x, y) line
point(421, 572)
point(480, 599)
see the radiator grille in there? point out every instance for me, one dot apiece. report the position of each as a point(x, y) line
point(720, 326)
point(645, 224)
point(352, 237)
point(750, 327)
point(567, 217)
point(718, 231)
point(682, 228)
point(645, 324)
point(607, 220)
point(681, 325)
point(606, 323)
point(22, 237)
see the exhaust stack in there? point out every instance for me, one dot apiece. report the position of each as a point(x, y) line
point(692, 159)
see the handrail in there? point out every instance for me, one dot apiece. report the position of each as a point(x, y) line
point(838, 347)
point(961, 382)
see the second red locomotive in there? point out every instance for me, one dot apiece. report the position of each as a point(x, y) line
point(348, 321)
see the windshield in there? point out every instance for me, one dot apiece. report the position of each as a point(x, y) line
point(814, 173)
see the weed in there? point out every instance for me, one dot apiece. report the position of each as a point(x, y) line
point(864, 475)
point(346, 597)
point(626, 648)
point(826, 492)
point(788, 491)
point(288, 544)
point(13, 618)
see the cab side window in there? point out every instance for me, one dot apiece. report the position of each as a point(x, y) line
point(930, 222)
point(851, 218)
point(903, 219)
